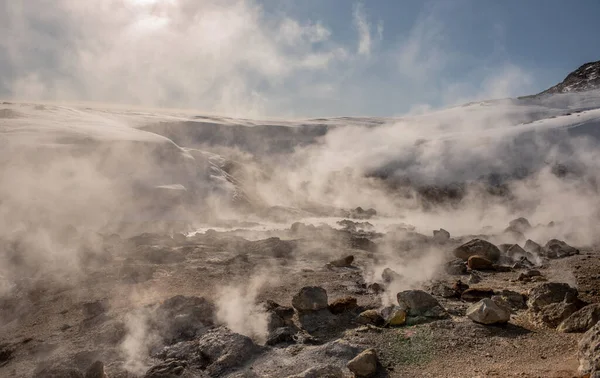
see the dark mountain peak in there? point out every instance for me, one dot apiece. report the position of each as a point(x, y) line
point(585, 78)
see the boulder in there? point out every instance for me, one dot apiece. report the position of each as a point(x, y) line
point(533, 247)
point(456, 267)
point(365, 364)
point(281, 335)
point(474, 278)
point(459, 287)
point(515, 252)
point(183, 318)
point(589, 352)
point(388, 275)
point(442, 290)
point(554, 313)
point(418, 303)
point(523, 263)
point(96, 370)
point(487, 311)
point(528, 275)
point(277, 315)
point(477, 247)
point(343, 262)
point(582, 320)
point(550, 292)
point(476, 262)
point(96, 308)
point(521, 225)
point(394, 315)
point(504, 247)
point(343, 305)
point(476, 294)
point(375, 288)
point(170, 368)
point(6, 354)
point(370, 317)
point(557, 249)
point(441, 235)
point(310, 298)
point(217, 352)
point(510, 299)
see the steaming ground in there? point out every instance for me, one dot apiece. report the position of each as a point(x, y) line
point(166, 243)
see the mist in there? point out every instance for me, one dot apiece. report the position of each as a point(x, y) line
point(161, 161)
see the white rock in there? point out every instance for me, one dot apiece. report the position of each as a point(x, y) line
point(487, 311)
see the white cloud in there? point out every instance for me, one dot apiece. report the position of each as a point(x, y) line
point(232, 57)
point(218, 56)
point(364, 30)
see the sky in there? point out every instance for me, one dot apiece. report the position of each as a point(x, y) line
point(291, 58)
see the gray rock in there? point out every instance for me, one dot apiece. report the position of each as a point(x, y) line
point(375, 288)
point(511, 299)
point(170, 368)
point(420, 304)
point(370, 317)
point(388, 275)
point(441, 235)
point(183, 318)
point(529, 274)
point(310, 298)
point(96, 370)
point(216, 352)
point(476, 294)
point(365, 364)
point(582, 320)
point(477, 247)
point(487, 311)
point(277, 315)
point(456, 267)
point(589, 351)
point(523, 263)
point(442, 290)
point(474, 278)
point(515, 252)
point(342, 305)
point(557, 249)
point(343, 262)
point(550, 292)
point(533, 247)
point(554, 313)
point(521, 225)
point(282, 335)
point(96, 308)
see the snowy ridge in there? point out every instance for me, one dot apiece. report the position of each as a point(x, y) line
point(585, 78)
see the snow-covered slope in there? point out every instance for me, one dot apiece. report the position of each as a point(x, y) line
point(165, 159)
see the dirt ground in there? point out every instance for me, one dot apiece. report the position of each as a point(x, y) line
point(46, 320)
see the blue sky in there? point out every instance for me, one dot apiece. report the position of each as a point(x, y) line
point(289, 58)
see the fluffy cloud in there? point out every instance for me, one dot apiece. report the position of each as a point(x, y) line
point(233, 57)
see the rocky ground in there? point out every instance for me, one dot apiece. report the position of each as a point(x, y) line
point(308, 302)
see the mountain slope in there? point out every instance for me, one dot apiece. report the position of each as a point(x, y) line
point(585, 78)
